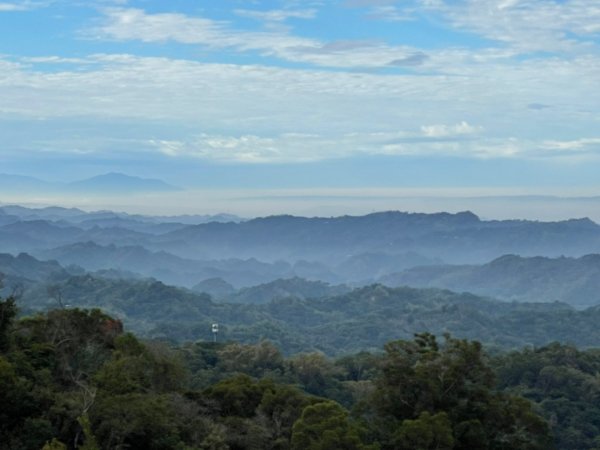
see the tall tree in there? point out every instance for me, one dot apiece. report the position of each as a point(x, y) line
point(421, 379)
point(325, 426)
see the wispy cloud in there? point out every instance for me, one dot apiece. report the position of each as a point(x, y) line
point(518, 27)
point(574, 145)
point(54, 60)
point(390, 13)
point(461, 140)
point(368, 3)
point(334, 115)
point(459, 101)
point(21, 5)
point(525, 25)
point(304, 84)
point(461, 129)
point(277, 15)
point(12, 7)
point(135, 24)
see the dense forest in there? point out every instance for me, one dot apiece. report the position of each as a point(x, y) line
point(73, 378)
point(336, 323)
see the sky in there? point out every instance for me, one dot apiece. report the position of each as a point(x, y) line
point(279, 98)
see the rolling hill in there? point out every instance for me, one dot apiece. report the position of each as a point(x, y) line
point(575, 281)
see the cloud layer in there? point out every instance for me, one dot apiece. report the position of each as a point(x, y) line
point(495, 79)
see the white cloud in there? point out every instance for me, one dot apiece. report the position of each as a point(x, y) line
point(277, 15)
point(12, 7)
point(17, 6)
point(135, 24)
point(573, 145)
point(525, 25)
point(266, 114)
point(298, 147)
point(54, 60)
point(245, 148)
point(437, 131)
point(368, 3)
point(391, 13)
point(518, 26)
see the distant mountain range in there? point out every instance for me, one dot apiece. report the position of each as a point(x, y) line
point(165, 266)
point(575, 281)
point(109, 183)
point(334, 284)
point(108, 219)
point(302, 314)
point(572, 281)
point(460, 238)
point(354, 250)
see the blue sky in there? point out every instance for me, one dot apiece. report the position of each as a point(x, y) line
point(479, 95)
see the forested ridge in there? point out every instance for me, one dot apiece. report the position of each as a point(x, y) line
point(514, 278)
point(359, 319)
point(74, 378)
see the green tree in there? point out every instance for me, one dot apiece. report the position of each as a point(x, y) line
point(422, 376)
point(237, 396)
point(317, 375)
point(142, 421)
point(427, 432)
point(263, 359)
point(8, 311)
point(89, 440)
point(54, 444)
point(280, 407)
point(137, 367)
point(325, 426)
point(563, 383)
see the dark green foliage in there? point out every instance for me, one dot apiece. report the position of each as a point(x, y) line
point(563, 383)
point(136, 420)
point(89, 440)
point(358, 367)
point(54, 444)
point(238, 396)
point(19, 424)
point(282, 405)
point(422, 379)
point(46, 370)
point(326, 425)
point(313, 371)
point(8, 311)
point(255, 414)
point(426, 432)
point(363, 319)
point(285, 288)
point(74, 377)
point(134, 367)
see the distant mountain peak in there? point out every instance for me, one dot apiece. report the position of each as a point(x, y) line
point(119, 182)
point(584, 222)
